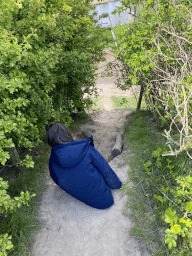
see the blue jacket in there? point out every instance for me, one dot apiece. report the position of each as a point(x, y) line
point(80, 170)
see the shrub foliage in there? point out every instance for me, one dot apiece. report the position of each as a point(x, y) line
point(49, 51)
point(156, 54)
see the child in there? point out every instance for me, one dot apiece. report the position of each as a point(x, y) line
point(79, 169)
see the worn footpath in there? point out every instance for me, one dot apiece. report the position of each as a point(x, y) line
point(72, 228)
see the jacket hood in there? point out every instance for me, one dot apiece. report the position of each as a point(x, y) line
point(69, 154)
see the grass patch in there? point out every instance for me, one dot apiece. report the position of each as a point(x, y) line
point(107, 33)
point(127, 103)
point(95, 106)
point(110, 41)
point(119, 29)
point(143, 138)
point(22, 223)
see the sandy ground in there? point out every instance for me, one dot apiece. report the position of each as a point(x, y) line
point(72, 228)
point(106, 85)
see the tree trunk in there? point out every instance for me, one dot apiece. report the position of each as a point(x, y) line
point(14, 156)
point(15, 159)
point(140, 97)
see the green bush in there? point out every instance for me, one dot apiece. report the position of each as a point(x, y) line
point(49, 51)
point(151, 57)
point(159, 194)
point(8, 206)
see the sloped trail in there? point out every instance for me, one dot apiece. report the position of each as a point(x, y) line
point(72, 228)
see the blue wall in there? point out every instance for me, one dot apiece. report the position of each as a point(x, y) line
point(115, 19)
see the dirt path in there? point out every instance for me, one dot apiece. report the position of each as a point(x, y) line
point(106, 85)
point(104, 127)
point(72, 228)
point(105, 124)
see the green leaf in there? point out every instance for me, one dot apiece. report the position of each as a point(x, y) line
point(172, 244)
point(28, 162)
point(188, 206)
point(150, 2)
point(170, 216)
point(188, 223)
point(176, 229)
point(182, 220)
point(159, 198)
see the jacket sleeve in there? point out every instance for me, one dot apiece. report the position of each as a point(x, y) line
point(105, 170)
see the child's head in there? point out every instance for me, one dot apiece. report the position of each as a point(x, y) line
point(57, 133)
